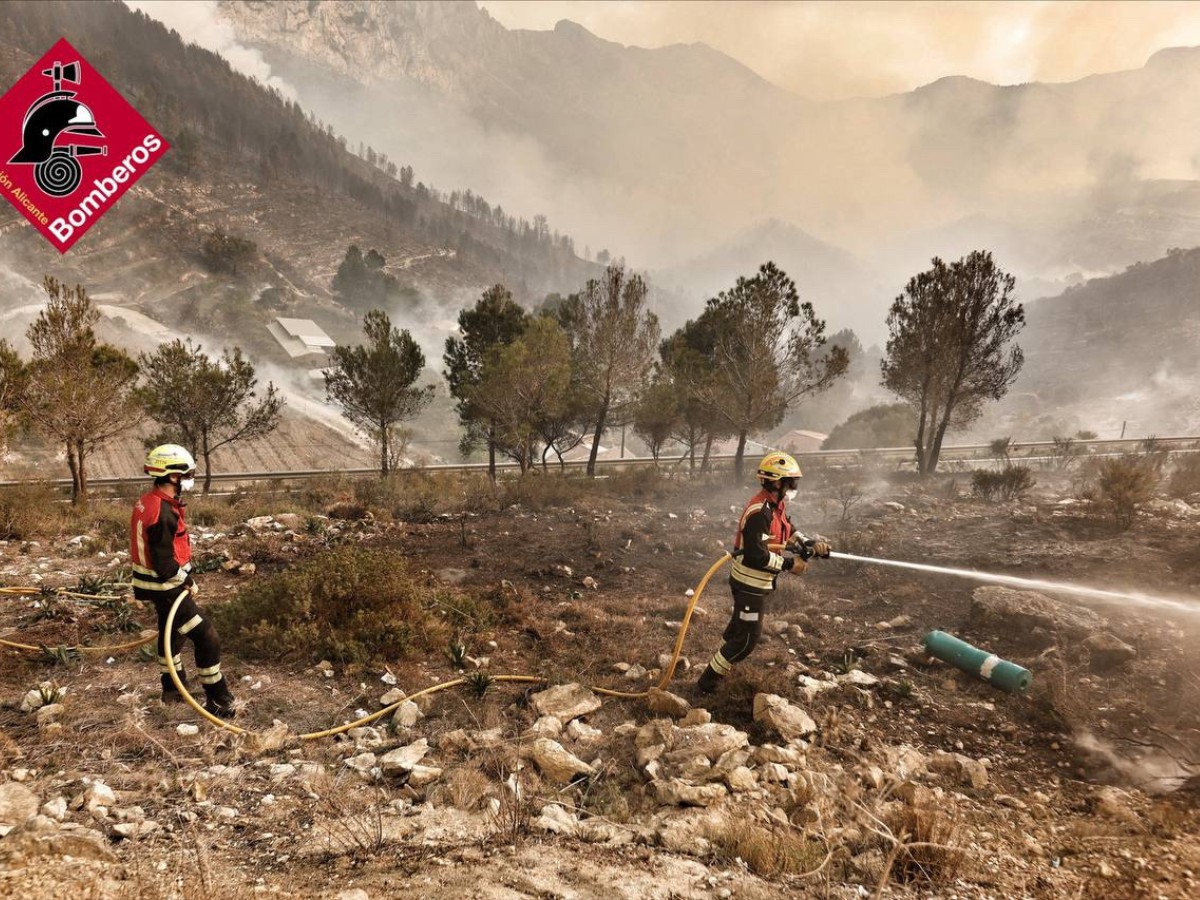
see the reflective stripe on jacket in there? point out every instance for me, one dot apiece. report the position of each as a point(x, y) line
point(764, 521)
point(160, 548)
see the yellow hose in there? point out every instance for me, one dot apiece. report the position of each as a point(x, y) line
point(169, 627)
point(668, 673)
point(147, 636)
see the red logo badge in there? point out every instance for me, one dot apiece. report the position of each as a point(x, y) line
point(70, 146)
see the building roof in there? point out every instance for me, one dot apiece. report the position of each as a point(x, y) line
point(300, 337)
point(308, 331)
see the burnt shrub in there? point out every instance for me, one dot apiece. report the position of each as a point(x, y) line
point(1125, 484)
point(1009, 483)
point(349, 604)
point(1184, 482)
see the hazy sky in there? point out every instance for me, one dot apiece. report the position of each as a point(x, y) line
point(829, 50)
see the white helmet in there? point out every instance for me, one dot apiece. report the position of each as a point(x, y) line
point(167, 458)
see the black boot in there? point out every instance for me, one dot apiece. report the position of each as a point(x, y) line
point(220, 701)
point(708, 681)
point(170, 693)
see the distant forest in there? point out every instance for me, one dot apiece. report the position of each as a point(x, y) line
point(206, 109)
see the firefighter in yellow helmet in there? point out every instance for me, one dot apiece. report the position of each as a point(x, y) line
point(161, 555)
point(764, 521)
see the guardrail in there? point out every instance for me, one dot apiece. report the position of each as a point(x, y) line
point(957, 452)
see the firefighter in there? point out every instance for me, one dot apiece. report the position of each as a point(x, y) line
point(755, 567)
point(161, 554)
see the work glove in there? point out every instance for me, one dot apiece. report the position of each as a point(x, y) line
point(806, 548)
point(192, 587)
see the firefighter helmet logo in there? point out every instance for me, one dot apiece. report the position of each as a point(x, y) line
point(70, 145)
point(54, 116)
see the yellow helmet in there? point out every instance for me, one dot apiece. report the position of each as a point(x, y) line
point(167, 458)
point(778, 465)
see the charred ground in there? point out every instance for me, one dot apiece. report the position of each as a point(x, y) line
point(1083, 791)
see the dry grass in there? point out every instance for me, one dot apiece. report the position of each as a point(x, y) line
point(765, 851)
point(924, 843)
point(463, 787)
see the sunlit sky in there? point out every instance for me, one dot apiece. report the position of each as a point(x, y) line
point(831, 50)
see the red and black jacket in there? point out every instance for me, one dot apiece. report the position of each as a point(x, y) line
point(764, 521)
point(160, 548)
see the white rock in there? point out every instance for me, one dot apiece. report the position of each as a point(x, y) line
point(859, 678)
point(395, 695)
point(56, 808)
point(403, 759)
point(187, 729)
point(353, 894)
point(282, 770)
point(676, 792)
point(420, 776)
point(545, 726)
point(556, 820)
point(363, 762)
point(407, 714)
point(49, 714)
point(581, 731)
point(776, 712)
point(556, 763)
point(741, 779)
point(136, 829)
point(565, 702)
point(17, 804)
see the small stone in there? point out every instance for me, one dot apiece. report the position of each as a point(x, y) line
point(407, 714)
point(56, 808)
point(741, 779)
point(676, 792)
point(565, 701)
point(556, 820)
point(187, 729)
point(590, 583)
point(131, 830)
point(422, 776)
point(545, 726)
point(17, 804)
point(395, 695)
point(664, 703)
point(791, 722)
point(696, 717)
point(1107, 652)
point(556, 763)
point(403, 759)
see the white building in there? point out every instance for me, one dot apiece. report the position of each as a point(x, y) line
point(300, 337)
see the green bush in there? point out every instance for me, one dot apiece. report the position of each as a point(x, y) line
point(349, 604)
point(1009, 483)
point(887, 425)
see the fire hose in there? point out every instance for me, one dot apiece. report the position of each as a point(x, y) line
point(999, 672)
point(146, 637)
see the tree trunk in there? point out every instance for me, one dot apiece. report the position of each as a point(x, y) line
point(81, 460)
point(383, 450)
point(491, 442)
point(74, 473)
point(739, 457)
point(705, 462)
point(600, 420)
point(920, 441)
point(206, 453)
point(935, 450)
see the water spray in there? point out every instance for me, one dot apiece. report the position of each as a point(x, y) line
point(1137, 598)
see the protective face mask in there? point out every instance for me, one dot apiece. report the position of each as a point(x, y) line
point(790, 495)
point(186, 484)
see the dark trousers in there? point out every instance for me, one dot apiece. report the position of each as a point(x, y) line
point(741, 635)
point(190, 624)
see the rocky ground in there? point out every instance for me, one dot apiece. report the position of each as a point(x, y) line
point(838, 761)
